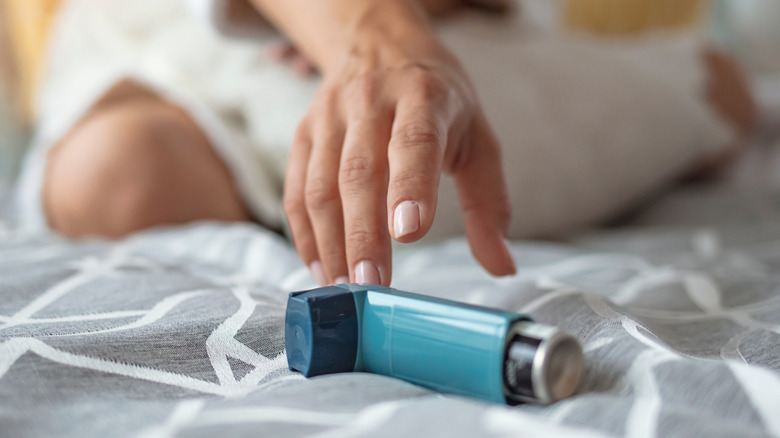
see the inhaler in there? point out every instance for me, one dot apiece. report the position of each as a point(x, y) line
point(439, 344)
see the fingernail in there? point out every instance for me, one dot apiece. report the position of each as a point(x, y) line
point(367, 272)
point(406, 218)
point(318, 273)
point(342, 280)
point(508, 246)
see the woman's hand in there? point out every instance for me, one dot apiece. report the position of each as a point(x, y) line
point(367, 158)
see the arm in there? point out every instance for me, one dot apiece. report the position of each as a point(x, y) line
point(324, 30)
point(394, 110)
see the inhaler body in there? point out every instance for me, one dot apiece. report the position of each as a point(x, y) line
point(443, 345)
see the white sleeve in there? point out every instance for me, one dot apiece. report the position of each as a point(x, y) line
point(231, 18)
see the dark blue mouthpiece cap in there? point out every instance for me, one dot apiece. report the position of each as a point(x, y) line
point(321, 331)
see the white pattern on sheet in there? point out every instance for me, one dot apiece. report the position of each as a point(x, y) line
point(235, 354)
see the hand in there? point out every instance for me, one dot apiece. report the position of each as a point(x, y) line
point(367, 158)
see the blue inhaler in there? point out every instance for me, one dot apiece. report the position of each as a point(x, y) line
point(443, 345)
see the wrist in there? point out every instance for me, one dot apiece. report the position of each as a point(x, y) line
point(387, 34)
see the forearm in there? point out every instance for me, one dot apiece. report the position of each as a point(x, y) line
point(328, 30)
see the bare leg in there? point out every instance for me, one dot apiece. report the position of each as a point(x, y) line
point(135, 161)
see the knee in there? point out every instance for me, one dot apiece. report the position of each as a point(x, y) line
point(108, 177)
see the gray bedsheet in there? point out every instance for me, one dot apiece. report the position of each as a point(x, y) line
point(178, 332)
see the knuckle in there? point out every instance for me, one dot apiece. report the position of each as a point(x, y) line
point(420, 180)
point(325, 107)
point(504, 210)
point(364, 90)
point(320, 193)
point(333, 257)
point(419, 134)
point(362, 238)
point(293, 205)
point(301, 133)
point(328, 133)
point(429, 87)
point(497, 208)
point(326, 102)
point(358, 170)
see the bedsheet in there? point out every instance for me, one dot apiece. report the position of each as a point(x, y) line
point(178, 332)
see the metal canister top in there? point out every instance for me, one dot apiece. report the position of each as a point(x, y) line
point(541, 364)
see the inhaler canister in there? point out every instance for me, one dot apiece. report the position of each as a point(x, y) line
point(439, 344)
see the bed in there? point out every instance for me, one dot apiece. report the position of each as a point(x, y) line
point(179, 331)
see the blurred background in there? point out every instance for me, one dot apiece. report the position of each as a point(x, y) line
point(746, 29)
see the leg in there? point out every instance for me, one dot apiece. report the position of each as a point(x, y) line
point(134, 162)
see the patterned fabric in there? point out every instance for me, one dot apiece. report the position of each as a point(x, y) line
point(178, 332)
